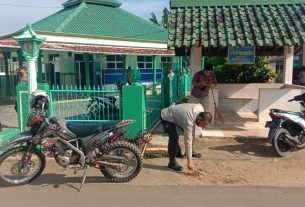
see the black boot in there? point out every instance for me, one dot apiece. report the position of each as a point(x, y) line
point(175, 166)
point(179, 154)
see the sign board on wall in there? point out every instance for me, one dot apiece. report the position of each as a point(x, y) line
point(241, 55)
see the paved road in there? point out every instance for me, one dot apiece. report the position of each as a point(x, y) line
point(128, 195)
point(8, 116)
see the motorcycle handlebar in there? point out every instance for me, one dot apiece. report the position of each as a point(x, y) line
point(298, 98)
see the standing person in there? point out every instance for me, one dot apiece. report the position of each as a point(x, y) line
point(129, 76)
point(170, 73)
point(202, 82)
point(22, 78)
point(23, 75)
point(186, 116)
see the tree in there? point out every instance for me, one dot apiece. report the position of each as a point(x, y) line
point(154, 19)
point(256, 73)
point(165, 16)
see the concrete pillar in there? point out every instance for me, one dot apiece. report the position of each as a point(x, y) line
point(196, 58)
point(32, 74)
point(134, 100)
point(154, 74)
point(196, 63)
point(288, 64)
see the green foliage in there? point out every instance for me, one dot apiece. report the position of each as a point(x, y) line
point(165, 16)
point(256, 73)
point(154, 19)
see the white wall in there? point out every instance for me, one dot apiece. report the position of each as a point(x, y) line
point(276, 99)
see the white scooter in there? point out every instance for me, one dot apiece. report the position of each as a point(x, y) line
point(287, 128)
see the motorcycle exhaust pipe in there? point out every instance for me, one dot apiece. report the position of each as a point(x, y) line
point(294, 139)
point(289, 142)
point(107, 164)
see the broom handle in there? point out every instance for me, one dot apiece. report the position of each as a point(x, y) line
point(213, 96)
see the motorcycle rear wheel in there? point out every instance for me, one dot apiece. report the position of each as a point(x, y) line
point(18, 167)
point(281, 149)
point(125, 154)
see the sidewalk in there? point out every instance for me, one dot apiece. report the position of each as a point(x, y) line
point(8, 116)
point(236, 125)
point(242, 125)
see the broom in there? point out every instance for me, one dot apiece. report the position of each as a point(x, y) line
point(217, 115)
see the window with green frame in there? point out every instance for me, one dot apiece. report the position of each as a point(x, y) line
point(166, 61)
point(145, 62)
point(114, 61)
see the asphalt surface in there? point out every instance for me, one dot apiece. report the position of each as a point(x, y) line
point(128, 195)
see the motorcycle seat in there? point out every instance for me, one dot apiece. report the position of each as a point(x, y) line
point(85, 129)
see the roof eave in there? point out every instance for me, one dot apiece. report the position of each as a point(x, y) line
point(97, 37)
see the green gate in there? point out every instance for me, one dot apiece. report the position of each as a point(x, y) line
point(78, 104)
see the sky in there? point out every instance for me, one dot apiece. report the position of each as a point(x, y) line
point(15, 14)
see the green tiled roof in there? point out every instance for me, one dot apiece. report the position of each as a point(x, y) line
point(104, 2)
point(97, 19)
point(223, 23)
point(191, 3)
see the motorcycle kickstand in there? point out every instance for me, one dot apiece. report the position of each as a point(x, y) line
point(84, 178)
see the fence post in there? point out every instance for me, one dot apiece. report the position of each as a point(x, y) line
point(165, 88)
point(134, 107)
point(23, 102)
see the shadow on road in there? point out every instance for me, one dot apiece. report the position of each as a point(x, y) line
point(56, 180)
point(250, 146)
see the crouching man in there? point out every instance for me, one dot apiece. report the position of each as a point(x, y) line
point(186, 116)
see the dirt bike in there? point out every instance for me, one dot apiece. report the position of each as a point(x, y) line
point(287, 129)
point(77, 147)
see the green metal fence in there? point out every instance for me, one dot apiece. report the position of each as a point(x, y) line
point(104, 103)
point(176, 87)
point(154, 105)
point(79, 104)
point(170, 91)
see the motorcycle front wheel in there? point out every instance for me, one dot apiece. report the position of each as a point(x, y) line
point(280, 147)
point(127, 157)
point(20, 166)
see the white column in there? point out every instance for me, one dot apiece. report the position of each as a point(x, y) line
point(32, 74)
point(196, 55)
point(288, 64)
